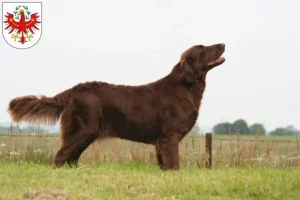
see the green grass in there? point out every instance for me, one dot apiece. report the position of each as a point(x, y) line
point(146, 181)
point(120, 169)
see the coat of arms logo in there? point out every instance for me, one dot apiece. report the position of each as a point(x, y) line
point(22, 23)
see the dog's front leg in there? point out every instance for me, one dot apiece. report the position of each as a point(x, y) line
point(167, 152)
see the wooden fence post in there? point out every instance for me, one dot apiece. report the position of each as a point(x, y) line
point(208, 147)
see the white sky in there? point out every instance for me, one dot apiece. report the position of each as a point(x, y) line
point(136, 42)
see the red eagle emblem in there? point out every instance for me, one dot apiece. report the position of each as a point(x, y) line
point(23, 26)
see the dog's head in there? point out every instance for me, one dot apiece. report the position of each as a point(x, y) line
point(198, 60)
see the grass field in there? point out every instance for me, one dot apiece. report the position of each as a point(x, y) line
point(145, 181)
point(247, 167)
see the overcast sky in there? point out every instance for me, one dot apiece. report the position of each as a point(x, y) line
point(136, 42)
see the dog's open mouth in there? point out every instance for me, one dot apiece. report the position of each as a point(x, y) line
point(219, 61)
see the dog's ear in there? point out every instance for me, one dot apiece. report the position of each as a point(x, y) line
point(187, 73)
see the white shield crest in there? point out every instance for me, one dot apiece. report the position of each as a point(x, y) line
point(22, 23)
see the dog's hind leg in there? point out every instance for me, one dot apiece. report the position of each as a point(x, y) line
point(71, 149)
point(80, 127)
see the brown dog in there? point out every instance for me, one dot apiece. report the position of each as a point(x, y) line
point(159, 113)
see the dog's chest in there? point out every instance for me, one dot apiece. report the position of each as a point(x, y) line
point(190, 120)
point(179, 119)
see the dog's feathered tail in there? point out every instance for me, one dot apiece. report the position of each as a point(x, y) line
point(38, 110)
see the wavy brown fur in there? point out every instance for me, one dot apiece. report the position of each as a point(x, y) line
point(160, 113)
point(34, 110)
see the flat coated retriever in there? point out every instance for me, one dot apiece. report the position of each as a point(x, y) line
point(160, 113)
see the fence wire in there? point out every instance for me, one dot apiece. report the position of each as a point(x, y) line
point(233, 151)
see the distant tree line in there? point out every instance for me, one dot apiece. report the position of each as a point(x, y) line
point(288, 131)
point(240, 126)
point(16, 129)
